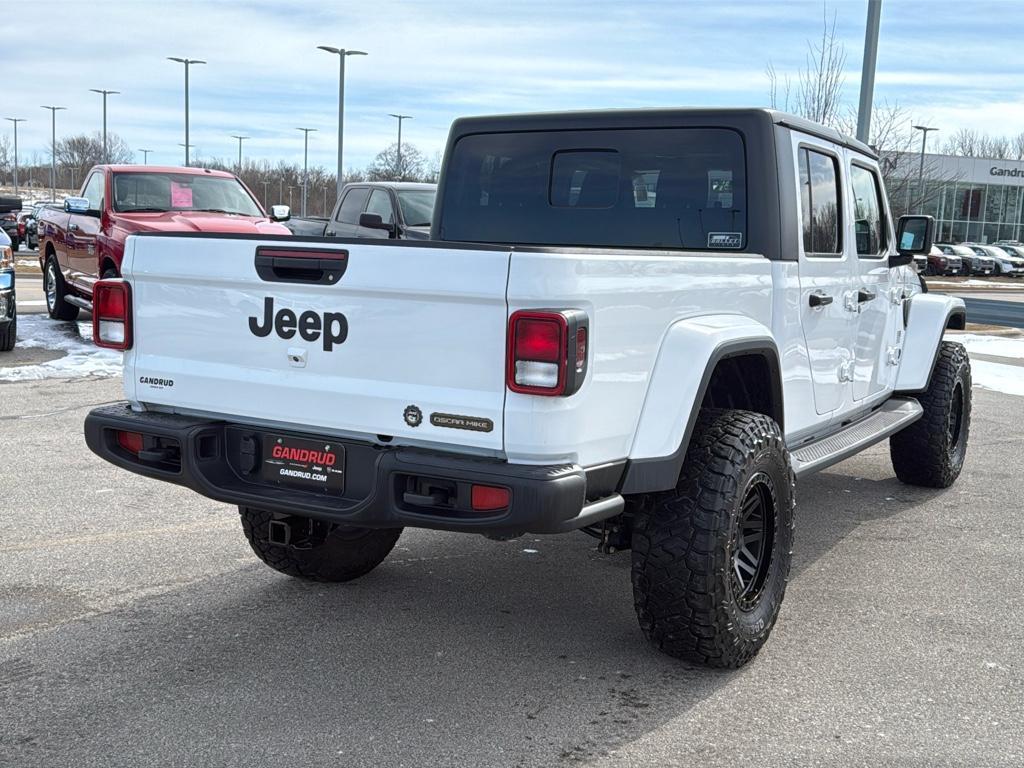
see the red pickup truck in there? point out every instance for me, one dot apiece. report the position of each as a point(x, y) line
point(85, 241)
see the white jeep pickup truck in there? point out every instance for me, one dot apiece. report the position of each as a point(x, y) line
point(646, 325)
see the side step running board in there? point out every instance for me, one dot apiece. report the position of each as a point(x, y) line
point(894, 415)
point(79, 302)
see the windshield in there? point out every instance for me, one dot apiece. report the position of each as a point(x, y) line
point(417, 206)
point(161, 192)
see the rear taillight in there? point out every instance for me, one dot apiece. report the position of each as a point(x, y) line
point(112, 314)
point(547, 352)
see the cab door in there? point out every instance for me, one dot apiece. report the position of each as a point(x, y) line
point(827, 272)
point(878, 299)
point(380, 203)
point(346, 218)
point(83, 229)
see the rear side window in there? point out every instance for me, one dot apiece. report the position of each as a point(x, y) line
point(673, 188)
point(819, 202)
point(352, 205)
point(868, 220)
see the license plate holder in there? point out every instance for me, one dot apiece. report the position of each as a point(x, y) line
point(311, 465)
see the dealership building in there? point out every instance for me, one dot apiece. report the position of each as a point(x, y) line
point(973, 199)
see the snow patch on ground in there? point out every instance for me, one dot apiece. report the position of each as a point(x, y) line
point(971, 283)
point(26, 263)
point(986, 374)
point(1001, 378)
point(1001, 346)
point(81, 358)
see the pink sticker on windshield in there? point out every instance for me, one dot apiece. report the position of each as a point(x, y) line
point(181, 196)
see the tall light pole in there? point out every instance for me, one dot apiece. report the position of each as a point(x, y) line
point(53, 150)
point(867, 73)
point(187, 63)
point(305, 167)
point(398, 161)
point(266, 193)
point(106, 157)
point(145, 155)
point(240, 140)
point(341, 53)
point(920, 170)
point(290, 188)
point(16, 120)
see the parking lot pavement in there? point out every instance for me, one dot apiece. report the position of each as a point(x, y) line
point(137, 629)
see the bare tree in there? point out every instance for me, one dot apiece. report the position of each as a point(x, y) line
point(387, 166)
point(6, 158)
point(965, 143)
point(1017, 147)
point(819, 85)
point(997, 147)
point(77, 154)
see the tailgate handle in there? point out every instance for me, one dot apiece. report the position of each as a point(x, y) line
point(300, 265)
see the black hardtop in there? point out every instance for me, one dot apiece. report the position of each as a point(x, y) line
point(743, 118)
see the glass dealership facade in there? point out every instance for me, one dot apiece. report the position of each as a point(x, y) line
point(976, 200)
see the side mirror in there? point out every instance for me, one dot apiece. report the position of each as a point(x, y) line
point(76, 204)
point(280, 213)
point(914, 237)
point(374, 221)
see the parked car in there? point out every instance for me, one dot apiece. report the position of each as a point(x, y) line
point(1009, 260)
point(26, 229)
point(8, 299)
point(85, 241)
point(947, 262)
point(31, 223)
point(577, 347)
point(921, 260)
point(983, 261)
point(375, 209)
point(9, 208)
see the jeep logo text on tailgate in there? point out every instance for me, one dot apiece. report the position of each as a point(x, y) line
point(333, 326)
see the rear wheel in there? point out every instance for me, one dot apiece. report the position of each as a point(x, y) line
point(313, 550)
point(931, 451)
point(56, 290)
point(711, 558)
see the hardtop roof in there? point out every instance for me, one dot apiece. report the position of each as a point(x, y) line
point(650, 118)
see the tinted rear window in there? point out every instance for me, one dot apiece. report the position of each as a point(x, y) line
point(643, 188)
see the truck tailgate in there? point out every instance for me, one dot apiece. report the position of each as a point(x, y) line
point(408, 342)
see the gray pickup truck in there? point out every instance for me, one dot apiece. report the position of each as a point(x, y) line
point(375, 209)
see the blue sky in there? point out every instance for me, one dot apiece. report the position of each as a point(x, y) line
point(954, 64)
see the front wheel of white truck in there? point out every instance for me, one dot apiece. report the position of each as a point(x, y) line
point(711, 558)
point(931, 451)
point(313, 550)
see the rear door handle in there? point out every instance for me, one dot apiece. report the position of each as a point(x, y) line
point(865, 295)
point(819, 300)
point(330, 233)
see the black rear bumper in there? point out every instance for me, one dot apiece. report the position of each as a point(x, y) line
point(221, 460)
